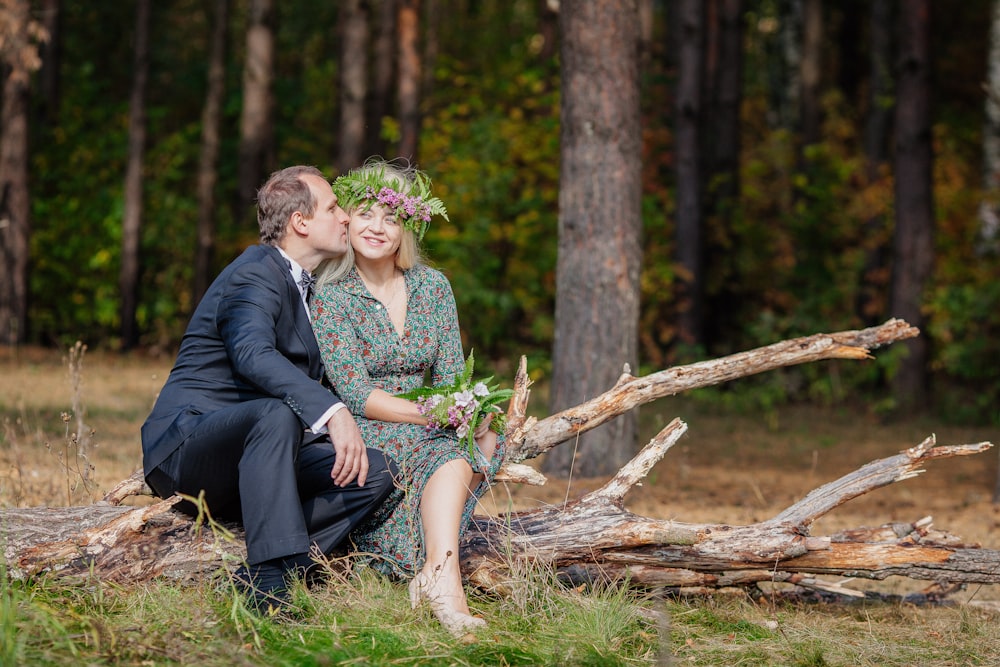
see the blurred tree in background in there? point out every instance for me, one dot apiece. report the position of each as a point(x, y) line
point(795, 204)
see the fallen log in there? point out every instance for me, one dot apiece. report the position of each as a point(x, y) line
point(595, 538)
point(592, 538)
point(532, 439)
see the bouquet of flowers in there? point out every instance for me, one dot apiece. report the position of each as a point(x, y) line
point(462, 405)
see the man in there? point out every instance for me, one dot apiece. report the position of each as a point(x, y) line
point(232, 419)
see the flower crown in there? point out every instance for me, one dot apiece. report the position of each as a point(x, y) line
point(369, 186)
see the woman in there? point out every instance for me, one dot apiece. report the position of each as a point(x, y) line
point(383, 319)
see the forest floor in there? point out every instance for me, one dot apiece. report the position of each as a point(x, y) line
point(730, 467)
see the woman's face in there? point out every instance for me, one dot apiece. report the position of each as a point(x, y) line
point(375, 233)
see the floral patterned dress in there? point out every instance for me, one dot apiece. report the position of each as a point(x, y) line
point(362, 351)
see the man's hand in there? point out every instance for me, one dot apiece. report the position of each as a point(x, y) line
point(352, 456)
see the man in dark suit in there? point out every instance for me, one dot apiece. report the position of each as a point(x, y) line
point(244, 417)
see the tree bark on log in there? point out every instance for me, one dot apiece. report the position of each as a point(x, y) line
point(592, 538)
point(631, 392)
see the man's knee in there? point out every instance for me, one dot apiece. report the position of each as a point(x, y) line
point(279, 416)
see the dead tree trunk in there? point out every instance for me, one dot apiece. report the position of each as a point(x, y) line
point(593, 538)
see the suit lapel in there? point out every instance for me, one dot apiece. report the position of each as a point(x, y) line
point(300, 320)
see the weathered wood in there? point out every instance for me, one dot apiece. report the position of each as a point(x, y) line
point(592, 538)
point(595, 538)
point(631, 392)
point(114, 543)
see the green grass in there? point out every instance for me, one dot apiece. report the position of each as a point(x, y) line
point(365, 619)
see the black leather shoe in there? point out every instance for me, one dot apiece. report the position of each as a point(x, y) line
point(264, 588)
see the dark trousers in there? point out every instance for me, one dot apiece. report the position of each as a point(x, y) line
point(255, 466)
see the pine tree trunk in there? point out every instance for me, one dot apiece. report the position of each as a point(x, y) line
point(128, 277)
point(408, 26)
point(727, 96)
point(600, 222)
point(989, 208)
point(256, 120)
point(51, 59)
point(810, 68)
point(873, 293)
point(354, 30)
point(15, 203)
point(208, 176)
point(548, 28)
point(432, 45)
point(788, 86)
point(913, 250)
point(721, 140)
point(687, 148)
point(383, 64)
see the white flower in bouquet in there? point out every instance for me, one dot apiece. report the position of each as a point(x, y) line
point(462, 406)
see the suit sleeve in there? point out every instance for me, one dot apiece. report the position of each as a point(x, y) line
point(253, 312)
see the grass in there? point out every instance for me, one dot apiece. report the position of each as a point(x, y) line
point(367, 620)
point(361, 618)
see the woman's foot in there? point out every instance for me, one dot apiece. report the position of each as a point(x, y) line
point(449, 607)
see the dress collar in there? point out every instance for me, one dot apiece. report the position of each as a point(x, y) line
point(353, 284)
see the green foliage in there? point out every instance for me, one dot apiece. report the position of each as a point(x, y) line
point(966, 324)
point(493, 145)
point(479, 399)
point(790, 257)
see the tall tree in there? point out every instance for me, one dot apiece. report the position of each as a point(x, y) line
point(548, 28)
point(722, 153)
point(383, 68)
point(989, 208)
point(51, 56)
point(787, 86)
point(913, 247)
point(211, 122)
point(600, 223)
point(432, 44)
point(725, 98)
point(687, 150)
point(257, 116)
point(354, 31)
point(19, 58)
point(872, 294)
point(128, 276)
point(809, 71)
point(408, 28)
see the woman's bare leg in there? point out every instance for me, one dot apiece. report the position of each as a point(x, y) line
point(441, 507)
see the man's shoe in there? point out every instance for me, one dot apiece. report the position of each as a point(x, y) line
point(264, 588)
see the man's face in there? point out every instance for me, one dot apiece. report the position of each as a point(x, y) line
point(328, 225)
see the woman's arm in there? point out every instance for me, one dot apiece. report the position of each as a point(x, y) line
point(450, 360)
point(385, 407)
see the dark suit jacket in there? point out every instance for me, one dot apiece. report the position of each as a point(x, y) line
point(249, 338)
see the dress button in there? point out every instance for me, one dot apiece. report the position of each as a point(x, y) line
point(378, 306)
